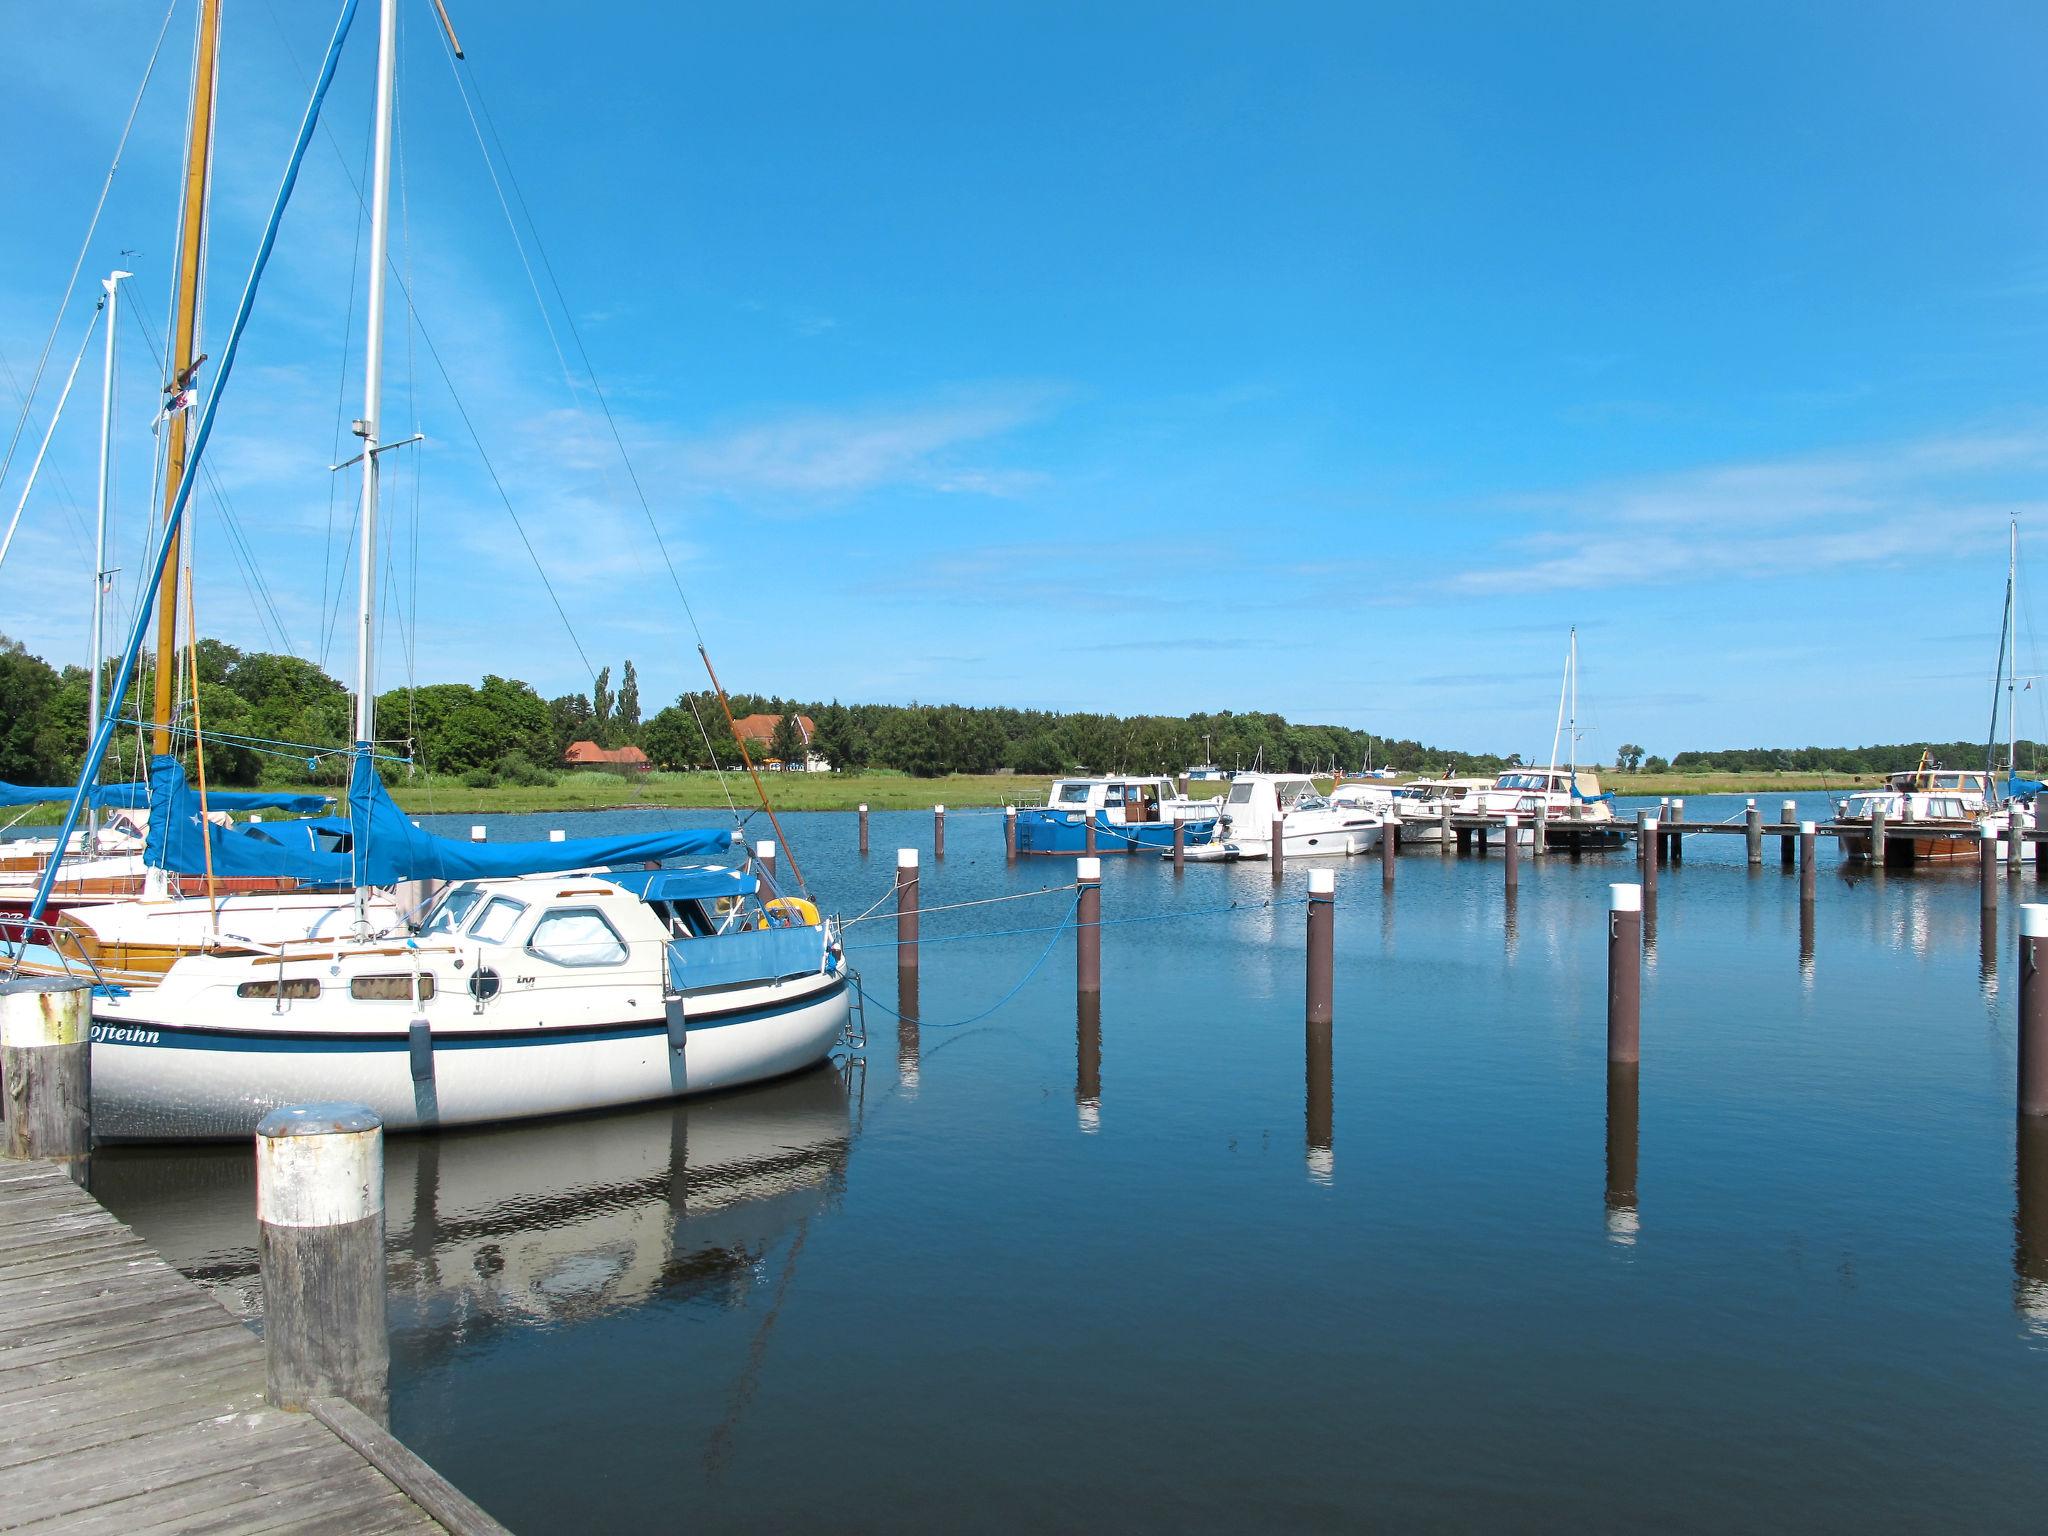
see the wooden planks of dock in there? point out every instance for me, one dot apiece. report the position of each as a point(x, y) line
point(132, 1402)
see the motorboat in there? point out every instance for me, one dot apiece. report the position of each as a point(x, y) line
point(1568, 803)
point(1311, 826)
point(1127, 813)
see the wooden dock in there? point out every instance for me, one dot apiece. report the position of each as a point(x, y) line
point(132, 1401)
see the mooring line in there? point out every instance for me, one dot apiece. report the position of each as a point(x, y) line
point(1044, 955)
point(1107, 922)
point(984, 901)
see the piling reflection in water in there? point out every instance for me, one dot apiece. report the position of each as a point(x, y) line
point(1088, 1061)
point(1623, 1222)
point(1806, 935)
point(1510, 933)
point(540, 1225)
point(1322, 1153)
point(906, 1028)
point(1987, 952)
point(2030, 1225)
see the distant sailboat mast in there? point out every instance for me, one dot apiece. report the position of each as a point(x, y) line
point(97, 653)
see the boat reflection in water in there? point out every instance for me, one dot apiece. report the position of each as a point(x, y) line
point(536, 1225)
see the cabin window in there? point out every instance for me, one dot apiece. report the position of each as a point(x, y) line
point(576, 936)
point(453, 910)
point(1241, 792)
point(389, 989)
point(1073, 794)
point(494, 926)
point(1948, 781)
point(300, 987)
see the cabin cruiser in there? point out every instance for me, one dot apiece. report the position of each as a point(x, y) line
point(1128, 813)
point(1419, 804)
point(1947, 806)
point(1310, 824)
point(1569, 801)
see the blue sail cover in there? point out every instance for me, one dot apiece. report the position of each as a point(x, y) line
point(19, 794)
point(129, 796)
point(2017, 788)
point(179, 840)
point(1589, 799)
point(389, 848)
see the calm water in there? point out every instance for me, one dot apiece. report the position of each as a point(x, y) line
point(1142, 1272)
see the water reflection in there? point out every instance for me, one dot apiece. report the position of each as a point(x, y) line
point(1322, 1155)
point(906, 1028)
point(2030, 1225)
point(1623, 1221)
point(1806, 936)
point(1088, 1061)
point(542, 1225)
point(1987, 952)
point(1509, 932)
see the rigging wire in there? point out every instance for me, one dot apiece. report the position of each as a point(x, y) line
point(85, 245)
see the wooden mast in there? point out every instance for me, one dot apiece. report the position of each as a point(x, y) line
point(184, 340)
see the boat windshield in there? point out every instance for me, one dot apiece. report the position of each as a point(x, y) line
point(1522, 781)
point(1241, 792)
point(453, 909)
point(1072, 794)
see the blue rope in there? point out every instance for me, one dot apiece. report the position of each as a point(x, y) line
point(1044, 955)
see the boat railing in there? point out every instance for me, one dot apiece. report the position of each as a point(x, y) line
point(63, 944)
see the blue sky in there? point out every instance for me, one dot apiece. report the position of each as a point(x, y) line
point(1325, 359)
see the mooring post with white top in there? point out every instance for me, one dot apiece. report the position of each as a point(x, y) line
point(1809, 839)
point(1511, 845)
point(1390, 847)
point(1788, 818)
point(764, 857)
point(1009, 834)
point(320, 1234)
point(2033, 1009)
point(1677, 844)
point(1088, 834)
point(1664, 824)
point(863, 831)
point(1877, 849)
point(1753, 833)
point(1180, 844)
point(1088, 927)
point(1649, 843)
point(476, 834)
point(1625, 972)
point(46, 1065)
point(938, 833)
point(557, 835)
point(1322, 948)
point(1987, 868)
point(906, 909)
point(1277, 849)
point(1446, 842)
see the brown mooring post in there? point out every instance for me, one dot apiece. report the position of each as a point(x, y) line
point(1088, 927)
point(1624, 972)
point(1088, 1062)
point(863, 831)
point(320, 1235)
point(1277, 853)
point(1511, 849)
point(1180, 844)
point(2040, 856)
point(938, 833)
point(1088, 835)
point(1677, 843)
point(1009, 834)
point(46, 1065)
point(1809, 838)
point(1648, 835)
point(906, 909)
point(1539, 833)
point(1444, 843)
point(1753, 833)
point(764, 856)
point(1987, 868)
point(1390, 847)
point(1322, 948)
point(1788, 818)
point(2015, 842)
point(2033, 1009)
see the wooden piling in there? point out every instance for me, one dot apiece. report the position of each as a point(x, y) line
point(938, 833)
point(1322, 924)
point(1390, 848)
point(2015, 841)
point(1877, 849)
point(2030, 1222)
point(1625, 973)
point(1511, 848)
point(1788, 818)
point(1088, 1062)
point(1009, 834)
point(863, 831)
point(764, 857)
point(1539, 834)
point(1648, 836)
point(1753, 833)
point(1987, 869)
point(46, 1066)
point(1088, 928)
point(1677, 843)
point(2033, 1074)
point(1088, 834)
point(1443, 841)
point(908, 1044)
point(1809, 840)
point(320, 1235)
point(1277, 852)
point(906, 909)
point(1180, 844)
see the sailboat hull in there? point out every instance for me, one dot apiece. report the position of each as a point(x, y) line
point(158, 1081)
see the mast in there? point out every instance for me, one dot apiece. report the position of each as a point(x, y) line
point(1558, 730)
point(373, 392)
point(183, 358)
point(1572, 672)
point(96, 658)
point(2012, 654)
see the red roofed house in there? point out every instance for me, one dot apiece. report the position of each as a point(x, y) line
point(588, 754)
point(757, 731)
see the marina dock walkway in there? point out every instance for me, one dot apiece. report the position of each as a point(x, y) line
point(131, 1401)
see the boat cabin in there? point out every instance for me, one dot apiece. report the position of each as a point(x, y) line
point(1121, 799)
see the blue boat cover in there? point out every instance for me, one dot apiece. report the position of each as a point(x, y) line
point(129, 796)
point(744, 955)
point(2017, 788)
point(697, 882)
point(388, 848)
point(20, 794)
point(179, 839)
point(1589, 799)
